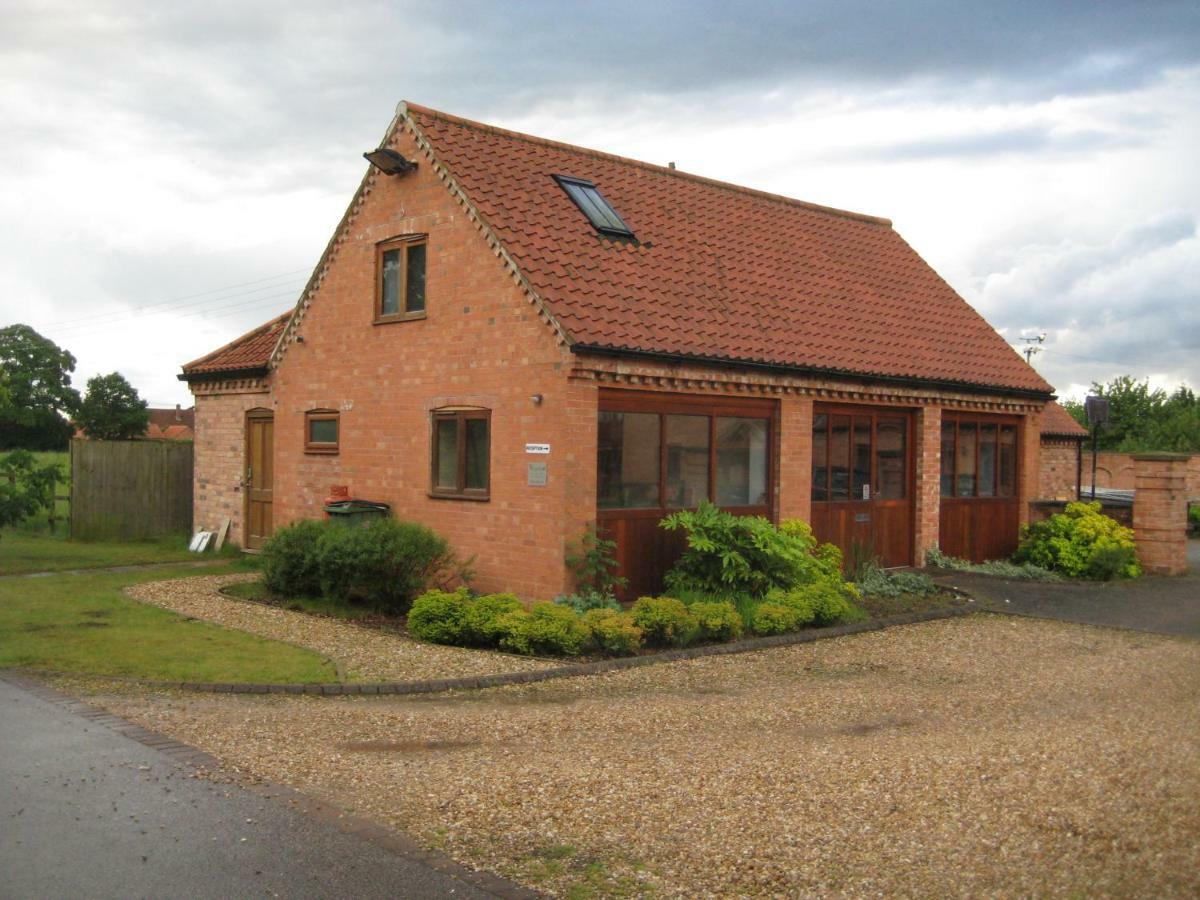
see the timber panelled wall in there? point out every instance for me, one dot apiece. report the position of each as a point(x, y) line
point(480, 344)
point(130, 490)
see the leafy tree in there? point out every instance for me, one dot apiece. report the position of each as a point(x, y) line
point(112, 410)
point(37, 378)
point(25, 487)
point(1143, 419)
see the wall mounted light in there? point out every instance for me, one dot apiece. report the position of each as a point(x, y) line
point(536, 399)
point(389, 162)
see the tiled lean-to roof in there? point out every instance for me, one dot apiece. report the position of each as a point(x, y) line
point(716, 271)
point(1057, 422)
point(247, 354)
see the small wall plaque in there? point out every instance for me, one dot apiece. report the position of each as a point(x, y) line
point(537, 474)
point(862, 517)
point(537, 448)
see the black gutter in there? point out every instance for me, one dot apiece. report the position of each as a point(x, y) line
point(898, 380)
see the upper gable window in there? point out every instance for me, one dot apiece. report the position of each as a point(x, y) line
point(593, 205)
point(400, 279)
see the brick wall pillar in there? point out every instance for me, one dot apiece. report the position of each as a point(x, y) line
point(1160, 512)
point(927, 492)
point(1029, 465)
point(795, 458)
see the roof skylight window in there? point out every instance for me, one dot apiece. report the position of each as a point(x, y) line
point(593, 205)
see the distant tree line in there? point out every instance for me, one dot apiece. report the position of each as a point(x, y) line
point(38, 403)
point(1141, 419)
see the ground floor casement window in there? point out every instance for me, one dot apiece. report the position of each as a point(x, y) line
point(657, 453)
point(461, 453)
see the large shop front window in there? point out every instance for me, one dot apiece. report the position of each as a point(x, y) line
point(676, 460)
point(979, 458)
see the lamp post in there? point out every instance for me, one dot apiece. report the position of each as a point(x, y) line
point(1096, 409)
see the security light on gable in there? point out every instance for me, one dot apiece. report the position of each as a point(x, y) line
point(389, 162)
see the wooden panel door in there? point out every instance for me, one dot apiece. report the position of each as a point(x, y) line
point(260, 476)
point(862, 483)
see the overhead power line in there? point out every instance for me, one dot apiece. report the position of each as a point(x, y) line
point(184, 301)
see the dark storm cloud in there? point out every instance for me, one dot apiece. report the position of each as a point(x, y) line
point(255, 76)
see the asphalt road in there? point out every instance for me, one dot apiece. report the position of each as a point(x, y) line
point(1149, 603)
point(88, 812)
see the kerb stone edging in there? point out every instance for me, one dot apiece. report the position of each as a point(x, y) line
point(574, 670)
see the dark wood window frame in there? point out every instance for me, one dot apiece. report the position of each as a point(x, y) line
point(405, 243)
point(322, 415)
point(460, 491)
point(1000, 422)
point(875, 414)
point(713, 408)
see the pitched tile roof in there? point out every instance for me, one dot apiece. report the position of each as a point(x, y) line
point(163, 419)
point(1057, 422)
point(250, 352)
point(717, 271)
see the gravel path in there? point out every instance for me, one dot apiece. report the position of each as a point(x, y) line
point(362, 654)
point(979, 756)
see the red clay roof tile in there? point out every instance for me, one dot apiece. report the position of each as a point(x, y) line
point(249, 352)
point(1057, 422)
point(718, 271)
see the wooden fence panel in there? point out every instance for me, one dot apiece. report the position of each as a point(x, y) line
point(130, 490)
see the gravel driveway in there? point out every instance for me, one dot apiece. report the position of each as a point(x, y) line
point(977, 756)
point(361, 654)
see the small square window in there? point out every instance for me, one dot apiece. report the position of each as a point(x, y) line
point(461, 453)
point(321, 431)
point(593, 205)
point(400, 279)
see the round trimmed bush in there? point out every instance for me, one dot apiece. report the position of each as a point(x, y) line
point(613, 632)
point(776, 618)
point(665, 621)
point(717, 620)
point(481, 619)
point(544, 629)
point(385, 563)
point(289, 560)
point(440, 616)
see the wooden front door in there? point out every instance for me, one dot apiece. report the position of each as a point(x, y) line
point(260, 474)
point(862, 483)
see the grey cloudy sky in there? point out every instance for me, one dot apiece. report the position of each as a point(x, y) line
point(170, 171)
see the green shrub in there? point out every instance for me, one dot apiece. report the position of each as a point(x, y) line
point(1080, 542)
point(613, 632)
point(481, 621)
point(746, 554)
point(776, 618)
point(440, 616)
point(289, 560)
point(665, 621)
point(588, 600)
point(594, 564)
point(717, 621)
point(873, 581)
point(544, 629)
point(385, 563)
point(1000, 568)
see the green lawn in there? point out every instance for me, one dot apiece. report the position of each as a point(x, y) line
point(32, 546)
point(83, 624)
point(24, 551)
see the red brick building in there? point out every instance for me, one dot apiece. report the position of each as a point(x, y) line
point(509, 338)
point(1062, 455)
